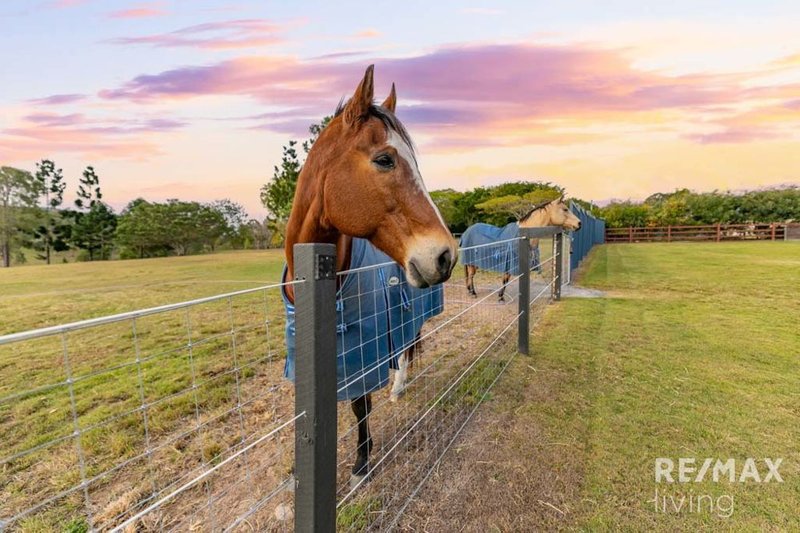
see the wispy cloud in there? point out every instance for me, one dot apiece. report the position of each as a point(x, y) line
point(64, 4)
point(58, 99)
point(39, 133)
point(369, 33)
point(231, 34)
point(139, 11)
point(502, 90)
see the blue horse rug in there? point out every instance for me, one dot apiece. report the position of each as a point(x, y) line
point(478, 248)
point(379, 316)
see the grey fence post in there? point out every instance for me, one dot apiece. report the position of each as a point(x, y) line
point(524, 252)
point(315, 388)
point(558, 259)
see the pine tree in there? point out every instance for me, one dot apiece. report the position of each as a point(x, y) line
point(95, 222)
point(52, 232)
point(88, 189)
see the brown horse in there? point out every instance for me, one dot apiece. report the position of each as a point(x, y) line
point(554, 213)
point(361, 179)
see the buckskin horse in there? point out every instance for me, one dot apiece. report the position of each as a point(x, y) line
point(503, 257)
point(361, 189)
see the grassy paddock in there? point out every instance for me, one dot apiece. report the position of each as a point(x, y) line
point(190, 386)
point(103, 365)
point(42, 295)
point(694, 353)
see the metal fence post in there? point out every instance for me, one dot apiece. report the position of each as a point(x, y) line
point(315, 388)
point(524, 252)
point(558, 259)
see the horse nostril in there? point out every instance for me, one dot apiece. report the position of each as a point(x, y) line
point(444, 261)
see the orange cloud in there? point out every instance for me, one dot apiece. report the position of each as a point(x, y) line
point(138, 12)
point(369, 33)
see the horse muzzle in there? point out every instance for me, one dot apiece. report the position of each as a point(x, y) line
point(431, 265)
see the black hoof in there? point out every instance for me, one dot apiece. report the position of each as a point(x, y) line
point(501, 299)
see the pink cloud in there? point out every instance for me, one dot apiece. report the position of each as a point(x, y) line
point(58, 99)
point(232, 34)
point(546, 80)
point(730, 136)
point(514, 94)
point(63, 4)
point(52, 133)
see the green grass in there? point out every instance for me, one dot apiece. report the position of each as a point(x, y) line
point(695, 353)
point(45, 295)
point(102, 361)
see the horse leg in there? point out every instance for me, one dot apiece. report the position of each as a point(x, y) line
point(361, 408)
point(471, 270)
point(404, 362)
point(506, 277)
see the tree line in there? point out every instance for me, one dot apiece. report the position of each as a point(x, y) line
point(684, 207)
point(34, 218)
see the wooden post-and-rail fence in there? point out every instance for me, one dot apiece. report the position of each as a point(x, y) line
point(713, 232)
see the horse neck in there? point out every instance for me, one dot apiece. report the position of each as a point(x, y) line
point(537, 219)
point(308, 224)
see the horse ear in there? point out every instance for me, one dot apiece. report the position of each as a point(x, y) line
point(359, 104)
point(391, 101)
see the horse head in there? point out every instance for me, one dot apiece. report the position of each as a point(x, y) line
point(554, 213)
point(361, 179)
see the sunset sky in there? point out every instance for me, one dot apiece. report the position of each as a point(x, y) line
point(193, 99)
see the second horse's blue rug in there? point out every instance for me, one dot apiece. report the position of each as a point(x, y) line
point(478, 248)
point(379, 316)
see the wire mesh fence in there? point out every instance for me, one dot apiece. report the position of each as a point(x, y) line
point(458, 357)
point(171, 418)
point(179, 417)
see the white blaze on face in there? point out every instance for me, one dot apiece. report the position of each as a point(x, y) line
point(406, 153)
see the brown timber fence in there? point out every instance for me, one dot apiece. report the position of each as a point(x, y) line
point(712, 232)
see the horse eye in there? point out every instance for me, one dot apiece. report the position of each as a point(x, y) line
point(384, 161)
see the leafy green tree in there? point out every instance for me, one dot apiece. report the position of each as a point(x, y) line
point(236, 219)
point(624, 214)
point(278, 194)
point(445, 200)
point(53, 230)
point(19, 193)
point(504, 209)
point(141, 230)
